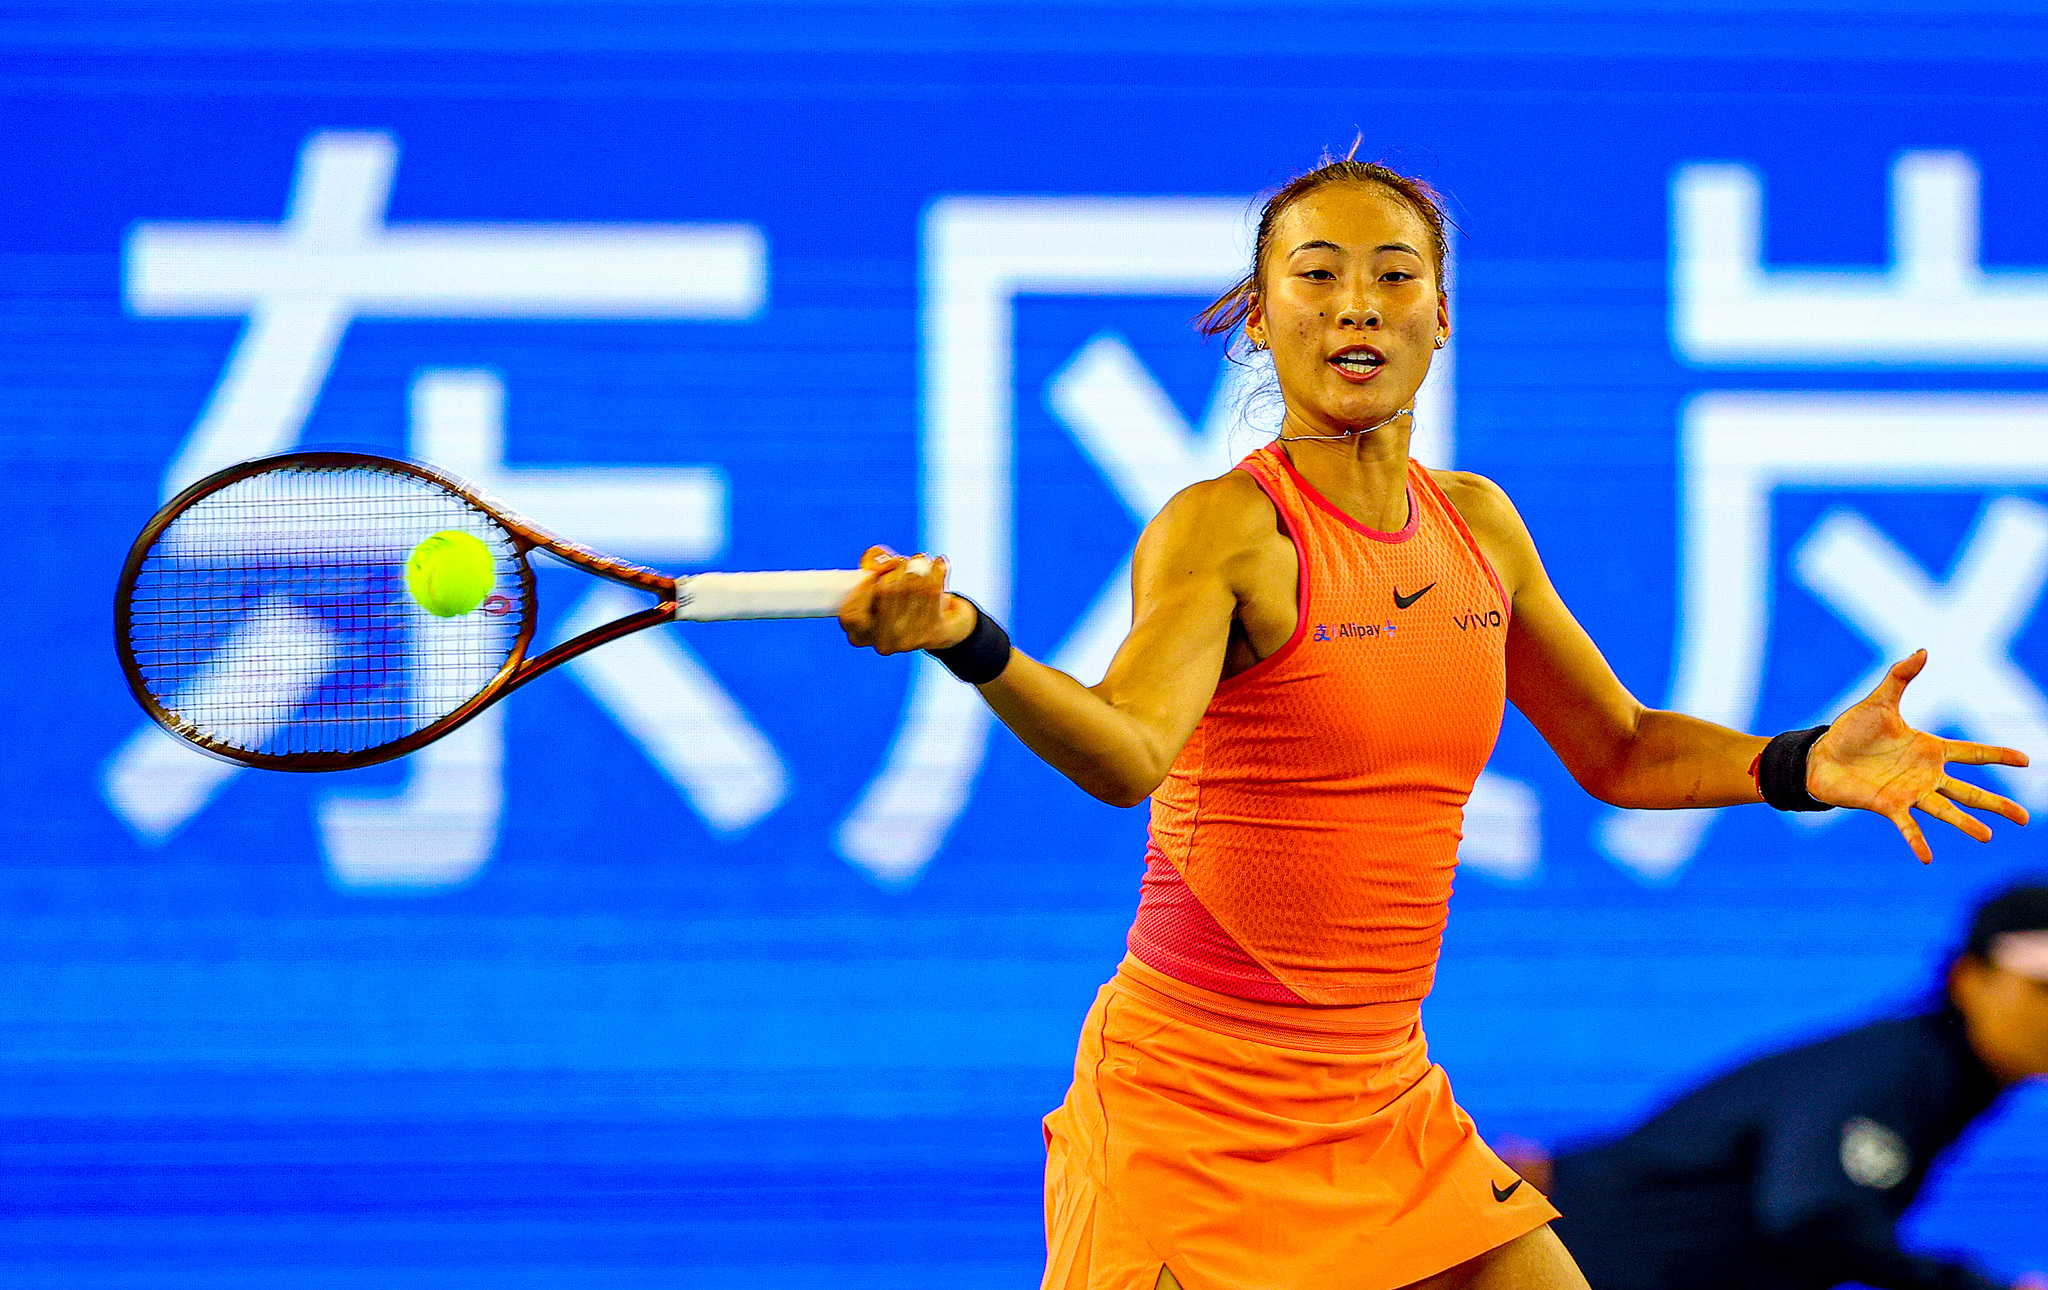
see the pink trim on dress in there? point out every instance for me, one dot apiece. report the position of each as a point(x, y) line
point(1310, 492)
point(1302, 572)
point(1471, 543)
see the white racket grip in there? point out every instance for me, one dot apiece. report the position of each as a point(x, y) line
point(721, 597)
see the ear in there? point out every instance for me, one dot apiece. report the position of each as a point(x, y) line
point(1966, 980)
point(1255, 319)
point(1443, 320)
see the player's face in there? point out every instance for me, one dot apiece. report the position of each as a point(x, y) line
point(1350, 305)
point(2007, 1017)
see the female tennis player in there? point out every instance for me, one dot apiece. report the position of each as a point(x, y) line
point(1322, 643)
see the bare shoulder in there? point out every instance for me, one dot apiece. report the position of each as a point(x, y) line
point(1479, 500)
point(1222, 534)
point(1495, 523)
point(1221, 516)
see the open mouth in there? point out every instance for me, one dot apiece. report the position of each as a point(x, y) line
point(1358, 364)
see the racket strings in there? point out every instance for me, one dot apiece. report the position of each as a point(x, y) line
point(273, 617)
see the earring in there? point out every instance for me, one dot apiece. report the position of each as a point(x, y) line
point(1442, 341)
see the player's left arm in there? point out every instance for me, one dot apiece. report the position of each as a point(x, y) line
point(1628, 754)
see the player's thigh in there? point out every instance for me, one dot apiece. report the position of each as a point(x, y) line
point(1537, 1261)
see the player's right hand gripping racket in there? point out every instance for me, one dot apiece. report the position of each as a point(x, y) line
point(264, 616)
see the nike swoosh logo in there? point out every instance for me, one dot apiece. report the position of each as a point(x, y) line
point(1502, 1193)
point(1402, 602)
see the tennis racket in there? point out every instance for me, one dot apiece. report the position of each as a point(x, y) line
point(263, 614)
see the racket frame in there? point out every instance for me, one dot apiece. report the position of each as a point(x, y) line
point(517, 669)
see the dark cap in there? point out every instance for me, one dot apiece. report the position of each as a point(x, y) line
point(2001, 923)
point(2022, 907)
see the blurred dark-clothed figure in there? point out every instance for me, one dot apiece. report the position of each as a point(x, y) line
point(1792, 1171)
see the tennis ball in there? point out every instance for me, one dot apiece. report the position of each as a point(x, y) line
point(450, 573)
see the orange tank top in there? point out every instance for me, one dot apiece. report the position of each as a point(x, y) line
point(1302, 846)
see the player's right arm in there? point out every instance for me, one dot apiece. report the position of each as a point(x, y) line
point(1196, 565)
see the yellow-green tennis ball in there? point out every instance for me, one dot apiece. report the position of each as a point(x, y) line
point(450, 573)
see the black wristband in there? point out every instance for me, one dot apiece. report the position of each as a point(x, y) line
point(1781, 771)
point(980, 658)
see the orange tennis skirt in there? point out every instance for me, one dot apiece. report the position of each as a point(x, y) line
point(1255, 1146)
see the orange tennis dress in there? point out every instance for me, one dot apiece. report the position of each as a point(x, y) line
point(1253, 1103)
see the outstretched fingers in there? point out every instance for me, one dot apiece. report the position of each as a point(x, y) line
point(1949, 813)
point(1895, 760)
point(1895, 681)
point(1909, 829)
point(1981, 799)
point(1969, 754)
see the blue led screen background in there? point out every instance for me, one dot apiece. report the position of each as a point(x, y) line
point(732, 954)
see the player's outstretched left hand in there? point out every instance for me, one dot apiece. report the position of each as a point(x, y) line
point(1872, 760)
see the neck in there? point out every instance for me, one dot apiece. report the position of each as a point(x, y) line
point(1364, 476)
point(1363, 472)
point(2007, 1074)
point(1295, 427)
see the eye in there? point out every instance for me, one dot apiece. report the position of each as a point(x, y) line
point(1319, 275)
point(1397, 275)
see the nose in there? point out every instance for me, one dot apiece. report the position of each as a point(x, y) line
point(1362, 316)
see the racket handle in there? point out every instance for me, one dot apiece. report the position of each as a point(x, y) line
point(720, 597)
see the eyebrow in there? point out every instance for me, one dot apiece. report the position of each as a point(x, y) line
point(1332, 246)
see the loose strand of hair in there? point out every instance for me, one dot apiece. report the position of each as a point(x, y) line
point(1228, 311)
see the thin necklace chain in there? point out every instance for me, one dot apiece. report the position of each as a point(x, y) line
point(1297, 438)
